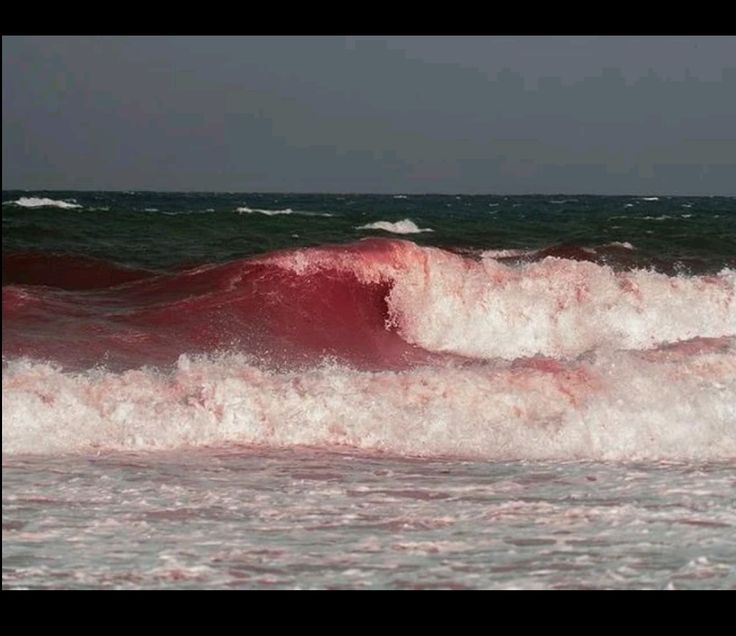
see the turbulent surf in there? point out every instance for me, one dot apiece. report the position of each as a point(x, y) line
point(490, 337)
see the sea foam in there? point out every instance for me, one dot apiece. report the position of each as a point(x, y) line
point(42, 202)
point(407, 226)
point(611, 406)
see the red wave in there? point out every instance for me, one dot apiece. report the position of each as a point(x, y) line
point(294, 307)
point(253, 306)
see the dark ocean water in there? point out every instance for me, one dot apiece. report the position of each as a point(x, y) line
point(352, 391)
point(164, 230)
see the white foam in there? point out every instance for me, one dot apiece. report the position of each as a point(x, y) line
point(42, 202)
point(650, 198)
point(286, 211)
point(617, 406)
point(556, 307)
point(407, 226)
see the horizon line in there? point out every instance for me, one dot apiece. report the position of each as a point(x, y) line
point(355, 193)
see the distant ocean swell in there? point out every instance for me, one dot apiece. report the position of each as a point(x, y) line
point(378, 345)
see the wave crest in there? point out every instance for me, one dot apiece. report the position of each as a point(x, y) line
point(43, 202)
point(555, 307)
point(286, 211)
point(407, 226)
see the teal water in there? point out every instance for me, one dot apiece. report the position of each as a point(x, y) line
point(162, 230)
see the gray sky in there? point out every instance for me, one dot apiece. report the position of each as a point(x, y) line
point(607, 115)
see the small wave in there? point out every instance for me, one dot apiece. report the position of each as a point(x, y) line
point(501, 254)
point(42, 202)
point(407, 226)
point(286, 211)
point(623, 244)
point(650, 198)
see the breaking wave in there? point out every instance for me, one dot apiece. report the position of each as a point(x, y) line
point(379, 345)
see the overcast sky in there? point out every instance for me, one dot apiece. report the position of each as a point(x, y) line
point(606, 115)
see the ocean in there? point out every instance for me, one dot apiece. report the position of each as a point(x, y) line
point(322, 391)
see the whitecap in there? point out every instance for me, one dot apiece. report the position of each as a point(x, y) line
point(286, 211)
point(407, 226)
point(43, 202)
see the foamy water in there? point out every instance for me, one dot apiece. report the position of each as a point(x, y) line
point(615, 406)
point(309, 519)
